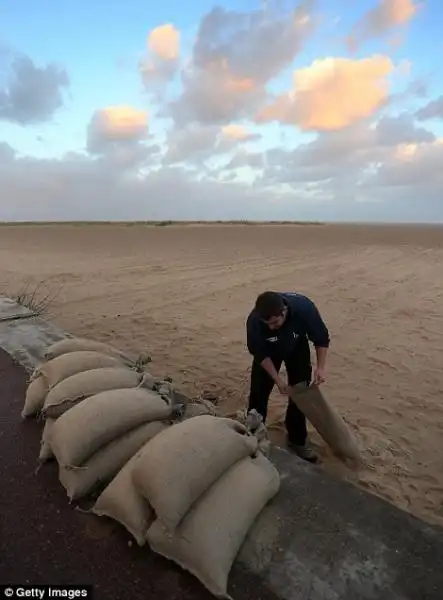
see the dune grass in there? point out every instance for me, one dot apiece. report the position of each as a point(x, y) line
point(36, 297)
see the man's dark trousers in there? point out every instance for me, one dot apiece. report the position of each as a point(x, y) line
point(299, 370)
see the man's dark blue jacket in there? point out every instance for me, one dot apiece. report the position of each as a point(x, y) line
point(303, 323)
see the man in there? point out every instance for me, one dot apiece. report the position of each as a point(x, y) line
point(279, 329)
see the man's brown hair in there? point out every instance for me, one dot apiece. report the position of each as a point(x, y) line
point(268, 305)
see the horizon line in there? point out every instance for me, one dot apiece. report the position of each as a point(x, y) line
point(171, 222)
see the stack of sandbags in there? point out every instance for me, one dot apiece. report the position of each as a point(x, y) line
point(123, 502)
point(76, 388)
point(48, 374)
point(94, 439)
point(64, 359)
point(204, 482)
point(74, 369)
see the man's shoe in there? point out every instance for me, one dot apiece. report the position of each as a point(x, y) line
point(304, 452)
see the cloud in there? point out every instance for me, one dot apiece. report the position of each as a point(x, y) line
point(30, 94)
point(332, 93)
point(432, 110)
point(7, 153)
point(238, 132)
point(116, 124)
point(344, 159)
point(213, 95)
point(162, 61)
point(164, 42)
point(360, 160)
point(193, 143)
point(78, 188)
point(196, 143)
point(118, 134)
point(380, 20)
point(255, 45)
point(242, 158)
point(234, 57)
point(388, 170)
point(415, 166)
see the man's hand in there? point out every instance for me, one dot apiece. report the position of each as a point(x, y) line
point(319, 376)
point(282, 386)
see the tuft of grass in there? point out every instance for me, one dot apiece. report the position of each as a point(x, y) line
point(35, 298)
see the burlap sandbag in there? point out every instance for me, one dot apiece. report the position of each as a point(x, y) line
point(102, 418)
point(45, 444)
point(210, 536)
point(121, 500)
point(326, 420)
point(78, 344)
point(186, 459)
point(35, 396)
point(66, 365)
point(104, 464)
point(76, 388)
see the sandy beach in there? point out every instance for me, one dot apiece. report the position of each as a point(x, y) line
point(182, 294)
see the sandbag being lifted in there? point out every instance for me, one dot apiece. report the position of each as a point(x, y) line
point(104, 464)
point(209, 538)
point(102, 418)
point(326, 420)
point(72, 390)
point(76, 344)
point(66, 365)
point(186, 459)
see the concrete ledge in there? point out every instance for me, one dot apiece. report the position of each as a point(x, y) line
point(10, 310)
point(324, 539)
point(320, 538)
point(27, 339)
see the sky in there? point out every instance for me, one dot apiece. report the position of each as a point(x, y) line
point(322, 110)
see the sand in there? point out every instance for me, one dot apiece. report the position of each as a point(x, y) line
point(182, 294)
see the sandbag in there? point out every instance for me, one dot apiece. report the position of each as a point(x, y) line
point(186, 459)
point(104, 464)
point(35, 396)
point(121, 500)
point(210, 536)
point(45, 444)
point(326, 420)
point(76, 344)
point(72, 390)
point(66, 365)
point(102, 418)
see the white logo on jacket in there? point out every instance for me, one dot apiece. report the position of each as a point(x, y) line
point(275, 338)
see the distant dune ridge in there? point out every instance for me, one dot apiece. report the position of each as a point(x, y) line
point(182, 294)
